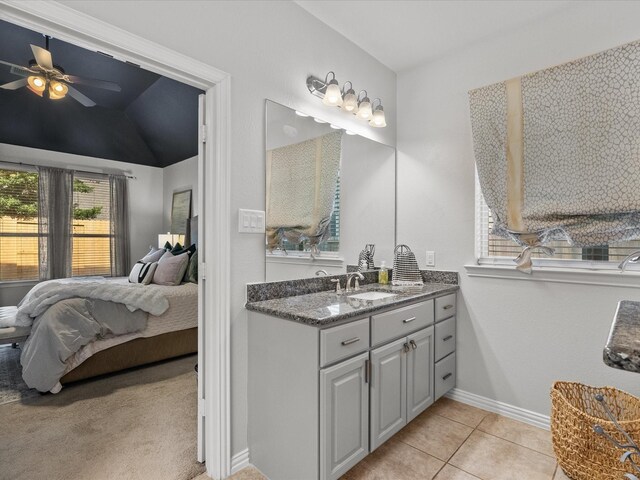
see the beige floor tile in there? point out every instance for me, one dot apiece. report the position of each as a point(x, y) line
point(518, 432)
point(395, 460)
point(459, 412)
point(249, 473)
point(435, 435)
point(492, 458)
point(560, 475)
point(452, 473)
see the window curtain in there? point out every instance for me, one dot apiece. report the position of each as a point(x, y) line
point(558, 152)
point(55, 222)
point(301, 185)
point(119, 225)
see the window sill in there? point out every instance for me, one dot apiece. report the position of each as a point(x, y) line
point(325, 259)
point(579, 276)
point(18, 283)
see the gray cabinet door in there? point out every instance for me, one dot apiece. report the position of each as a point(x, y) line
point(344, 416)
point(420, 372)
point(388, 391)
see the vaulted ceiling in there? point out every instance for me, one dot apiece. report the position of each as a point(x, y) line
point(152, 121)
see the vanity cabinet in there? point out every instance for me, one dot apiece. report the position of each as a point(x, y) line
point(320, 400)
point(401, 384)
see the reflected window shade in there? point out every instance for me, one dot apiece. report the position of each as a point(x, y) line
point(91, 226)
point(18, 225)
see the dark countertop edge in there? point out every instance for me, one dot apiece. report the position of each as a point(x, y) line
point(617, 356)
point(341, 319)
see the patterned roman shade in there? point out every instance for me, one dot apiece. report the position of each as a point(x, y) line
point(558, 152)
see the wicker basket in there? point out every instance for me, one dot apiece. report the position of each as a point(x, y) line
point(582, 454)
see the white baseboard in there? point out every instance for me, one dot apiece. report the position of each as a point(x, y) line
point(239, 461)
point(504, 409)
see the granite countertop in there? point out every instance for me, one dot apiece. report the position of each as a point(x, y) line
point(623, 346)
point(324, 309)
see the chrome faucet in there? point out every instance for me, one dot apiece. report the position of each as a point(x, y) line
point(631, 258)
point(356, 287)
point(321, 272)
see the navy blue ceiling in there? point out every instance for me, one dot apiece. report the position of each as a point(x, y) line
point(152, 121)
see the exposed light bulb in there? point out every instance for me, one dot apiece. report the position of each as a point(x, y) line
point(332, 95)
point(38, 82)
point(57, 90)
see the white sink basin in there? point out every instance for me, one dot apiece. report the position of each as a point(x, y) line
point(372, 295)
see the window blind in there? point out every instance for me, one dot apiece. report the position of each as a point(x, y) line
point(18, 225)
point(91, 226)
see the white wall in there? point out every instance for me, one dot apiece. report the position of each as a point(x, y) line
point(176, 178)
point(515, 337)
point(145, 199)
point(269, 48)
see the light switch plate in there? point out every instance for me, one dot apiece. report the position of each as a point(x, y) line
point(250, 221)
point(431, 258)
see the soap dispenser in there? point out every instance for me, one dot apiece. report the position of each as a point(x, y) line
point(383, 274)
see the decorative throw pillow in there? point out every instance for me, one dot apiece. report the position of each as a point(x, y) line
point(171, 269)
point(191, 250)
point(154, 255)
point(177, 249)
point(167, 246)
point(142, 272)
point(192, 270)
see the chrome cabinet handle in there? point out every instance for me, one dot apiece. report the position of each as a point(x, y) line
point(447, 338)
point(413, 344)
point(447, 307)
point(408, 320)
point(406, 348)
point(447, 376)
point(350, 341)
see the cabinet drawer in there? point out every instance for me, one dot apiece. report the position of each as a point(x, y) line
point(343, 341)
point(445, 375)
point(400, 322)
point(445, 307)
point(445, 338)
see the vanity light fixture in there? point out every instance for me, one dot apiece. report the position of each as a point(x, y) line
point(377, 119)
point(364, 106)
point(301, 114)
point(335, 127)
point(332, 94)
point(318, 120)
point(349, 132)
point(360, 105)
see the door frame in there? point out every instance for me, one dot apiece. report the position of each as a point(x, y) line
point(88, 32)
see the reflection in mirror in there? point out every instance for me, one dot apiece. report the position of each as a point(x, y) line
point(329, 194)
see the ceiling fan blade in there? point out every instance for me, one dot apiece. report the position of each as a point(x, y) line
point(90, 82)
point(15, 84)
point(19, 70)
point(83, 99)
point(43, 57)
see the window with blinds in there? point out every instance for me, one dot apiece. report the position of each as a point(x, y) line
point(493, 247)
point(18, 225)
point(91, 226)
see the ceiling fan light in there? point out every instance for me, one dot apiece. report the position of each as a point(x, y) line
point(57, 90)
point(36, 84)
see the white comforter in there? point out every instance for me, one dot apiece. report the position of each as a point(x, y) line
point(45, 294)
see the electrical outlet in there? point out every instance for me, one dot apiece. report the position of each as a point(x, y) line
point(250, 221)
point(431, 258)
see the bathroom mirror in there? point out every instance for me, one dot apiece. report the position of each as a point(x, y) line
point(329, 193)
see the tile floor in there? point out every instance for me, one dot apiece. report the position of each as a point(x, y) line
point(454, 441)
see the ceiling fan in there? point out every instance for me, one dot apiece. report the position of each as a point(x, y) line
point(48, 80)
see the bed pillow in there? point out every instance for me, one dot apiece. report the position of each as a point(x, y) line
point(191, 275)
point(171, 269)
point(154, 255)
point(143, 272)
point(177, 251)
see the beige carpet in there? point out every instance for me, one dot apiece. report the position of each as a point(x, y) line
point(135, 425)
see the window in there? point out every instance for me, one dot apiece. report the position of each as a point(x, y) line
point(91, 226)
point(19, 225)
point(494, 249)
